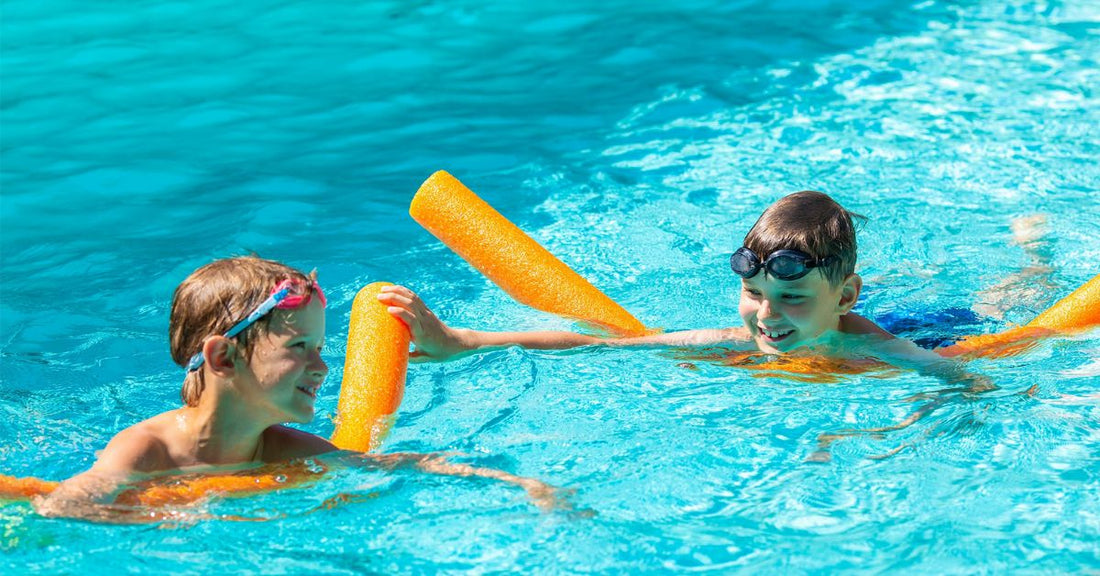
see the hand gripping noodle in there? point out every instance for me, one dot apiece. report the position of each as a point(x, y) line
point(511, 258)
point(1078, 311)
point(374, 373)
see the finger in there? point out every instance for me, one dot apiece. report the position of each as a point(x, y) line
point(403, 315)
point(394, 298)
point(399, 289)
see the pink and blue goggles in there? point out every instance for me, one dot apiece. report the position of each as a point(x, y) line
point(287, 295)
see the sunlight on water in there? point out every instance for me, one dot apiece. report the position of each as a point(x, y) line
point(636, 142)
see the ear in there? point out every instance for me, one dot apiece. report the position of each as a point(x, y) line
point(220, 354)
point(849, 293)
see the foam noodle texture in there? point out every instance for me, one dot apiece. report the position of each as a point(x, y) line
point(1078, 311)
point(12, 488)
point(511, 258)
point(177, 490)
point(374, 373)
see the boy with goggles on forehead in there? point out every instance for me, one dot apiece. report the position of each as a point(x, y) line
point(248, 333)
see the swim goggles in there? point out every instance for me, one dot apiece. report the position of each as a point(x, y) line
point(287, 295)
point(783, 264)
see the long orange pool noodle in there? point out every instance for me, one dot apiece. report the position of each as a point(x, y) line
point(374, 373)
point(12, 488)
point(176, 490)
point(512, 259)
point(1078, 311)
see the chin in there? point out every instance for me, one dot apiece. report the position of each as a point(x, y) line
point(781, 347)
point(300, 415)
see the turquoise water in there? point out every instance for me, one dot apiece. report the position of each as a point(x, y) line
point(638, 142)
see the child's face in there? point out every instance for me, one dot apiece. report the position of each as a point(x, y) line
point(286, 364)
point(782, 315)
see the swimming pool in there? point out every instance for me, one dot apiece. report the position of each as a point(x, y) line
point(638, 143)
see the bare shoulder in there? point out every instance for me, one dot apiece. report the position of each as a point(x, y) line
point(852, 323)
point(285, 443)
point(139, 448)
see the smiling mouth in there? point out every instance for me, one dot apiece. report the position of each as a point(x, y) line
point(774, 335)
point(310, 391)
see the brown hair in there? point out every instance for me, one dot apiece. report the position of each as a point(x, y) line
point(810, 222)
point(214, 298)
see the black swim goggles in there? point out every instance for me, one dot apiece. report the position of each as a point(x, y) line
point(783, 264)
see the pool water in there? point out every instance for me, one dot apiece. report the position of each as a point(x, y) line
point(636, 141)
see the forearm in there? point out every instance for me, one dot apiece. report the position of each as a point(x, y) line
point(90, 496)
point(904, 354)
point(543, 495)
point(472, 341)
point(475, 341)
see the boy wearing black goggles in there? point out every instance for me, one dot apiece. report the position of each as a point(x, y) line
point(806, 246)
point(783, 264)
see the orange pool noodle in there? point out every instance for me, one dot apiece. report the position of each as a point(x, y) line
point(1078, 311)
point(180, 490)
point(512, 259)
point(12, 488)
point(374, 373)
point(176, 490)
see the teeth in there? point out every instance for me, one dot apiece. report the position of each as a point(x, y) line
point(774, 334)
point(311, 391)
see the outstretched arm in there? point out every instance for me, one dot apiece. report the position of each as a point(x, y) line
point(905, 354)
point(437, 341)
point(543, 495)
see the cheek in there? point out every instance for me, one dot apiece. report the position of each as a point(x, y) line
point(746, 308)
point(271, 365)
point(799, 312)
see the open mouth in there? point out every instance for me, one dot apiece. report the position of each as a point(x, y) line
point(310, 391)
point(774, 335)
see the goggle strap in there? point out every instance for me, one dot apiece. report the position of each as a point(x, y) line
point(266, 306)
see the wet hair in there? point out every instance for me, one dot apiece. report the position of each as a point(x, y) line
point(810, 222)
point(213, 299)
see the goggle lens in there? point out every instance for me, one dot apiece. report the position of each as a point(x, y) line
point(298, 293)
point(783, 264)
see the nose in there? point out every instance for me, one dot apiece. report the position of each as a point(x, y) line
point(317, 365)
point(765, 310)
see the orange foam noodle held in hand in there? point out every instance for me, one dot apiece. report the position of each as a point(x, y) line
point(512, 259)
point(1078, 311)
point(374, 373)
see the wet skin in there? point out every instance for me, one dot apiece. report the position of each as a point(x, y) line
point(781, 315)
point(286, 369)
